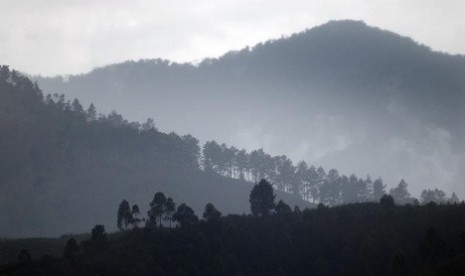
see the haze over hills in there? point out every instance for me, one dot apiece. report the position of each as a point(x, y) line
point(64, 169)
point(341, 95)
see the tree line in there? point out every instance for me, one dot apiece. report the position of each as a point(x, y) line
point(68, 132)
point(278, 226)
point(355, 239)
point(308, 182)
point(55, 147)
point(162, 210)
point(63, 151)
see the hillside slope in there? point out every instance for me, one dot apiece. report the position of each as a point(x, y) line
point(64, 169)
point(341, 95)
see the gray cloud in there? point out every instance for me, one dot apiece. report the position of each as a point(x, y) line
point(61, 37)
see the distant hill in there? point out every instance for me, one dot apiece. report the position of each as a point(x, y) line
point(342, 95)
point(64, 169)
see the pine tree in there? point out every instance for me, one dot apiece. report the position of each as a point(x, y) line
point(262, 199)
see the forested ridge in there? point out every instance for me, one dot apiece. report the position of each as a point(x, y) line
point(342, 95)
point(308, 182)
point(60, 161)
point(378, 238)
point(56, 157)
point(63, 166)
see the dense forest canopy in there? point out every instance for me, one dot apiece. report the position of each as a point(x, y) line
point(339, 95)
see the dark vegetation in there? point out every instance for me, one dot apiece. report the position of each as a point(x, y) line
point(356, 239)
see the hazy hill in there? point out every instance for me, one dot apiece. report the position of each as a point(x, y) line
point(64, 169)
point(342, 95)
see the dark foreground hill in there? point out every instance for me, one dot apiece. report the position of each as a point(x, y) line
point(357, 239)
point(341, 95)
point(64, 168)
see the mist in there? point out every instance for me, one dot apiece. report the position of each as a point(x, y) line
point(343, 95)
point(268, 140)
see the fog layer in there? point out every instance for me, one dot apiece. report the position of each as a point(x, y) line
point(341, 95)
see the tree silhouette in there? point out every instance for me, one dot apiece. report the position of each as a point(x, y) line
point(330, 190)
point(303, 179)
point(365, 189)
point(282, 209)
point(169, 210)
point(135, 212)
point(157, 208)
point(211, 214)
point(185, 216)
point(262, 199)
point(436, 195)
point(400, 193)
point(99, 236)
point(386, 201)
point(124, 215)
point(378, 189)
point(255, 159)
point(286, 175)
point(148, 125)
point(349, 191)
point(211, 156)
point(313, 179)
point(454, 198)
point(241, 163)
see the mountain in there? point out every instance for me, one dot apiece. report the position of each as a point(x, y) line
point(342, 95)
point(63, 169)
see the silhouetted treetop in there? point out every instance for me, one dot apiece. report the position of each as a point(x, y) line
point(211, 213)
point(262, 199)
point(185, 216)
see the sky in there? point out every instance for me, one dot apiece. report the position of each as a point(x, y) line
point(70, 37)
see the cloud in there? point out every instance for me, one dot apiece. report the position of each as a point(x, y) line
point(59, 37)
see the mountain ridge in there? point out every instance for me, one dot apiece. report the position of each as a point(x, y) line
point(332, 89)
point(325, 26)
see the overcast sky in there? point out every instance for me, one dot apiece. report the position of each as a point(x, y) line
point(51, 37)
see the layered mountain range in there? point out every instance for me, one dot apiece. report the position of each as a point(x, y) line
point(342, 95)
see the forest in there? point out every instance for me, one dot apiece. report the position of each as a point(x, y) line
point(342, 95)
point(55, 153)
point(235, 138)
point(379, 238)
point(63, 166)
point(307, 182)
